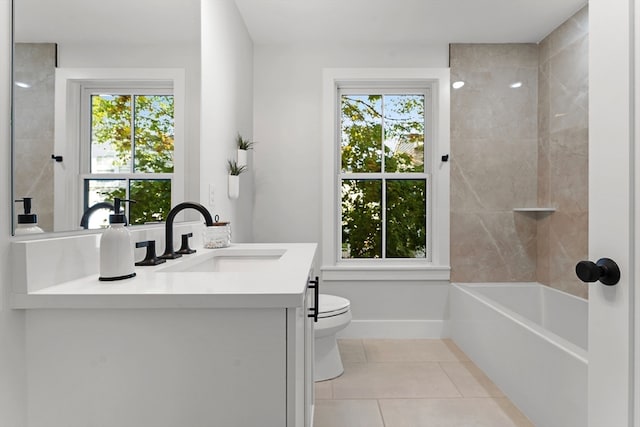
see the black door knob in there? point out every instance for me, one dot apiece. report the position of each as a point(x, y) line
point(605, 270)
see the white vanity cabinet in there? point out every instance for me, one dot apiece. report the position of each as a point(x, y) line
point(169, 367)
point(173, 349)
point(300, 356)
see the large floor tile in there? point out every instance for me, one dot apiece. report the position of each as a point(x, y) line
point(323, 390)
point(393, 380)
point(347, 413)
point(470, 380)
point(476, 412)
point(351, 351)
point(412, 350)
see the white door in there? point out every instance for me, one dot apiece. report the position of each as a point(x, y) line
point(611, 210)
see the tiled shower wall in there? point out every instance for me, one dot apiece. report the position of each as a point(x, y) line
point(563, 147)
point(34, 63)
point(494, 146)
point(514, 147)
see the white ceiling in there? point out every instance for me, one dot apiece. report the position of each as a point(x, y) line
point(296, 21)
point(403, 21)
point(113, 21)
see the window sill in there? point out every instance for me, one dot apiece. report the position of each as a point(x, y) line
point(389, 272)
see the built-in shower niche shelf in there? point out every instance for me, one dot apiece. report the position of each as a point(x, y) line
point(543, 210)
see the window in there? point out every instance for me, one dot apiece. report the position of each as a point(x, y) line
point(385, 174)
point(121, 132)
point(383, 181)
point(129, 151)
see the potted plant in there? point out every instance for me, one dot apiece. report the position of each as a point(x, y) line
point(244, 145)
point(234, 178)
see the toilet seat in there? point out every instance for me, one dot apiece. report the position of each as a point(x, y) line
point(331, 305)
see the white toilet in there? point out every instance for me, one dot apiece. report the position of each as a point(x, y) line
point(334, 315)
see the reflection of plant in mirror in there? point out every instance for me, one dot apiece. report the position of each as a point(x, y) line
point(151, 141)
point(153, 200)
point(114, 144)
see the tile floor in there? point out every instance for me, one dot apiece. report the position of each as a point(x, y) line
point(411, 383)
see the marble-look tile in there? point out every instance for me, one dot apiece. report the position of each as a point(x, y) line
point(494, 174)
point(351, 351)
point(477, 412)
point(568, 244)
point(411, 350)
point(575, 27)
point(568, 88)
point(544, 165)
point(34, 128)
point(569, 170)
point(470, 380)
point(543, 249)
point(491, 174)
point(487, 107)
point(493, 246)
point(393, 380)
point(347, 413)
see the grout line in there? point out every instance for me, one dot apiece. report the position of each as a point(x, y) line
point(364, 350)
point(451, 379)
point(384, 423)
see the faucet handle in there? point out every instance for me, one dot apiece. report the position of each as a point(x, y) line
point(184, 248)
point(150, 258)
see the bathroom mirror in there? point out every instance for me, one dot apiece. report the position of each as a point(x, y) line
point(72, 37)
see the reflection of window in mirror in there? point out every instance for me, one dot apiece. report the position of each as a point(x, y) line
point(127, 148)
point(121, 134)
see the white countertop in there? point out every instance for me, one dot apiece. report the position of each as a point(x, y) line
point(282, 284)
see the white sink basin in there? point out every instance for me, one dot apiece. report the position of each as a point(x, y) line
point(231, 261)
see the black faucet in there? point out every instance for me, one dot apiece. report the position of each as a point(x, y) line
point(168, 251)
point(84, 222)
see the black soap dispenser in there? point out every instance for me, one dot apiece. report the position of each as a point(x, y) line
point(27, 222)
point(116, 247)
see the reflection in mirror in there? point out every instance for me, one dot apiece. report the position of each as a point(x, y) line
point(84, 133)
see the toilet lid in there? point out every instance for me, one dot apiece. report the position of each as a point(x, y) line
point(331, 305)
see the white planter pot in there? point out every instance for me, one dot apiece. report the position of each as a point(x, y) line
point(242, 157)
point(234, 186)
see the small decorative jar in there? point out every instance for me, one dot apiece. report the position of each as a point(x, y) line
point(217, 236)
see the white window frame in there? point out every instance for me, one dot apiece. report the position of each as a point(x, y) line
point(396, 89)
point(68, 175)
point(87, 90)
point(436, 266)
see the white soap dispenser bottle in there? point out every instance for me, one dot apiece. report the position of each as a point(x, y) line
point(27, 222)
point(116, 247)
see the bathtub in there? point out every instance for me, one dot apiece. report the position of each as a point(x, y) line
point(531, 340)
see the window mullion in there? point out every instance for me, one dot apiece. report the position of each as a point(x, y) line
point(383, 207)
point(133, 135)
point(382, 136)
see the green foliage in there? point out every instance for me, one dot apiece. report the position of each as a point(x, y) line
point(244, 144)
point(383, 134)
point(234, 169)
point(154, 134)
point(362, 218)
point(153, 200)
point(150, 145)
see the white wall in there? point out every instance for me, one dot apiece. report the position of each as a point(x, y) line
point(12, 346)
point(186, 56)
point(226, 110)
point(287, 127)
point(287, 119)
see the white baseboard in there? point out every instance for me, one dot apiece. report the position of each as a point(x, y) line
point(406, 329)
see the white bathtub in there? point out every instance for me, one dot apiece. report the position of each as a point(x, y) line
point(531, 341)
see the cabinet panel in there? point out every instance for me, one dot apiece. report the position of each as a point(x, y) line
point(300, 341)
point(157, 368)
